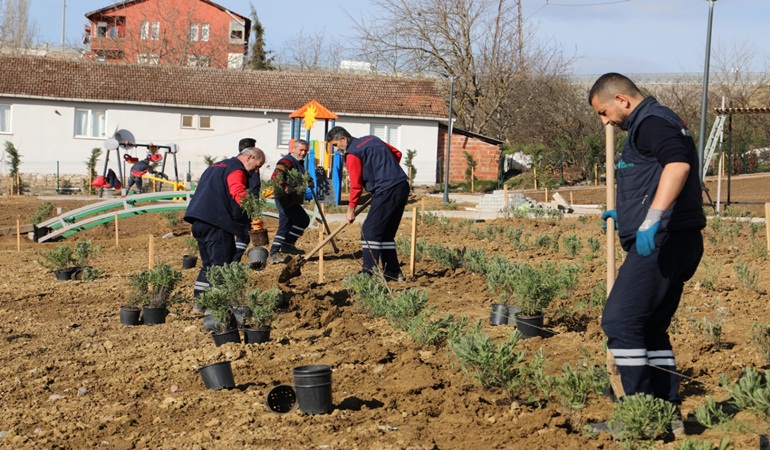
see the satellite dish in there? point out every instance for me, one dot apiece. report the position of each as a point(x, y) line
point(111, 144)
point(125, 138)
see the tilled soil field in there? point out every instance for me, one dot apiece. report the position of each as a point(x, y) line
point(73, 377)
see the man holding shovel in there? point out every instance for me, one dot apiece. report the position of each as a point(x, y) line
point(659, 218)
point(292, 218)
point(374, 165)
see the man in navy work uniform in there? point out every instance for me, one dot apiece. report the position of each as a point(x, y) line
point(659, 218)
point(374, 165)
point(215, 210)
point(255, 184)
point(292, 218)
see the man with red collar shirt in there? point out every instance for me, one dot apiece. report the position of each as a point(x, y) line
point(292, 218)
point(215, 210)
point(374, 165)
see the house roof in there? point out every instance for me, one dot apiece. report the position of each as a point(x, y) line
point(481, 137)
point(127, 3)
point(275, 91)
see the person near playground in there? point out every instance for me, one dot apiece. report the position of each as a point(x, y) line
point(138, 169)
point(292, 217)
point(215, 212)
point(659, 218)
point(373, 165)
point(242, 239)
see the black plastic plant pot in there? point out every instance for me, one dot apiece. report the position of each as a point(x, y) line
point(499, 315)
point(226, 336)
point(77, 273)
point(130, 316)
point(257, 257)
point(314, 388)
point(530, 327)
point(64, 274)
point(241, 313)
point(154, 315)
point(188, 262)
point(218, 376)
point(256, 335)
point(282, 399)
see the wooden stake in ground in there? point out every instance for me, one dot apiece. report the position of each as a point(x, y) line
point(320, 255)
point(767, 225)
point(18, 236)
point(151, 252)
point(612, 368)
point(413, 245)
point(546, 195)
point(472, 177)
point(505, 194)
point(571, 200)
point(117, 242)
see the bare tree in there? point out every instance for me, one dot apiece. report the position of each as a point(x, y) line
point(16, 30)
point(307, 51)
point(490, 50)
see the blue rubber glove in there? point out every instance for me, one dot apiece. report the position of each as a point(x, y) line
point(645, 236)
point(308, 194)
point(607, 214)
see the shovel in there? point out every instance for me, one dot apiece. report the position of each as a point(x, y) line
point(293, 267)
point(323, 219)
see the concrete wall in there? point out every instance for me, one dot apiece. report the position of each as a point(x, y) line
point(43, 132)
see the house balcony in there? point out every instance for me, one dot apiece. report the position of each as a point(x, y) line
point(105, 43)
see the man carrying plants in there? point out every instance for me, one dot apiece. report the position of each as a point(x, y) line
point(290, 178)
point(374, 165)
point(659, 218)
point(215, 210)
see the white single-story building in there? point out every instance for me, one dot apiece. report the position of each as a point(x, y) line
point(55, 111)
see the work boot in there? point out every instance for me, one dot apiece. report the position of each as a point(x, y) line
point(677, 424)
point(278, 258)
point(291, 249)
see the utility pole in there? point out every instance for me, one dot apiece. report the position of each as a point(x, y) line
point(63, 21)
point(521, 34)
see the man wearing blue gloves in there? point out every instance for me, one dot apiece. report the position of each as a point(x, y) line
point(659, 218)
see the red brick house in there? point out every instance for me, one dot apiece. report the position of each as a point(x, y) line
point(485, 151)
point(169, 32)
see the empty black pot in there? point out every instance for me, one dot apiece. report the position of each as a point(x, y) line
point(218, 376)
point(129, 316)
point(499, 315)
point(188, 262)
point(314, 388)
point(256, 336)
point(226, 336)
point(282, 399)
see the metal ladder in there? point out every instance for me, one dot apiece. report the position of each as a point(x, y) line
point(715, 138)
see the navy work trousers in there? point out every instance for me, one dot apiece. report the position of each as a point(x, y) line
point(292, 221)
point(639, 309)
point(217, 248)
point(378, 232)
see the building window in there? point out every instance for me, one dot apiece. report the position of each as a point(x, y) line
point(205, 32)
point(204, 122)
point(236, 31)
point(188, 121)
point(234, 60)
point(89, 122)
point(5, 118)
point(101, 29)
point(388, 133)
point(284, 132)
point(155, 31)
point(194, 32)
point(144, 58)
point(198, 61)
point(144, 30)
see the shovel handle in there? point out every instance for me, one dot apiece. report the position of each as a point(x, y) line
point(335, 232)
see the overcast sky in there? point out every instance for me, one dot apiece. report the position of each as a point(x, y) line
point(631, 36)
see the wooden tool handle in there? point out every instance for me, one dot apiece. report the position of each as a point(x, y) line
point(336, 232)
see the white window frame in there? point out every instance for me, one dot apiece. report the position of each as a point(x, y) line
point(283, 132)
point(5, 119)
point(237, 28)
point(200, 122)
point(194, 32)
point(205, 31)
point(192, 121)
point(388, 133)
point(235, 60)
point(94, 125)
point(144, 30)
point(155, 31)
